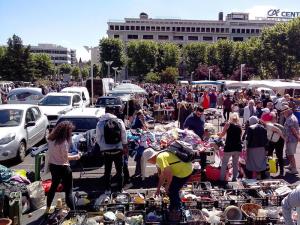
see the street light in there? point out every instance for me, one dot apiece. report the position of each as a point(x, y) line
point(108, 63)
point(242, 66)
point(209, 70)
point(92, 75)
point(119, 72)
point(115, 69)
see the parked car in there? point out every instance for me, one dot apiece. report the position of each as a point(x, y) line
point(21, 127)
point(112, 102)
point(84, 135)
point(82, 91)
point(83, 119)
point(25, 96)
point(53, 105)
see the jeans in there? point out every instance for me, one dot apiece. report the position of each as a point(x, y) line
point(175, 186)
point(278, 146)
point(60, 173)
point(116, 157)
point(235, 160)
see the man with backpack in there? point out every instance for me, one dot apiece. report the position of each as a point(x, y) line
point(112, 140)
point(173, 174)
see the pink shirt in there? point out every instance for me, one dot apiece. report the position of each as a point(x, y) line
point(58, 153)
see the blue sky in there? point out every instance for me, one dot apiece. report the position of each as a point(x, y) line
point(75, 23)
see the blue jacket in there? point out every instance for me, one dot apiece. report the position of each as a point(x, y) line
point(195, 124)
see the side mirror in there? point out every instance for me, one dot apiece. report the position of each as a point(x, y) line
point(30, 124)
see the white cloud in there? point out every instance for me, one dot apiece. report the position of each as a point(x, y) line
point(259, 10)
point(83, 53)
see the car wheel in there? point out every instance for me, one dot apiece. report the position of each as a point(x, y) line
point(21, 152)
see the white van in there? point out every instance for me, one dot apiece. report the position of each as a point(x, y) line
point(82, 91)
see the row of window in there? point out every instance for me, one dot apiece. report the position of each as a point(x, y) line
point(186, 29)
point(174, 38)
point(59, 58)
point(174, 29)
point(48, 51)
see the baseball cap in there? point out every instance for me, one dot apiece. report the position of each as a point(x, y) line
point(149, 153)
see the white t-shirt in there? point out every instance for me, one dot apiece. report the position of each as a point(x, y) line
point(272, 136)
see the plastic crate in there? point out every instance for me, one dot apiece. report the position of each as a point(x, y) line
point(136, 213)
point(197, 217)
point(82, 214)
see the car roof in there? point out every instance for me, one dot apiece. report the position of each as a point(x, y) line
point(27, 89)
point(60, 94)
point(74, 88)
point(84, 112)
point(17, 106)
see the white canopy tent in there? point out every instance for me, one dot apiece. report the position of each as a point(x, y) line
point(128, 89)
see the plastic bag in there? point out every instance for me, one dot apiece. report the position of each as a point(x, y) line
point(36, 194)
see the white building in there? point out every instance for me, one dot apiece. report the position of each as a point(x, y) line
point(236, 27)
point(59, 55)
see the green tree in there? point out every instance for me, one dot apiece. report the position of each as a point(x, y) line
point(152, 77)
point(276, 55)
point(141, 57)
point(16, 63)
point(111, 50)
point(168, 55)
point(42, 66)
point(85, 72)
point(169, 75)
point(96, 70)
point(211, 52)
point(65, 68)
point(293, 35)
point(76, 72)
point(194, 54)
point(225, 57)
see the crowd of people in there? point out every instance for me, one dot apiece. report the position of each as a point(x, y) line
point(252, 122)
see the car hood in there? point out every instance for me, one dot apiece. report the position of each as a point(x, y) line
point(4, 131)
point(54, 110)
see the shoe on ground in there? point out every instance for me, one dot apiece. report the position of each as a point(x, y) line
point(292, 171)
point(47, 211)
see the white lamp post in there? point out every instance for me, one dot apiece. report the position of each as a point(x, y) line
point(115, 69)
point(92, 75)
point(108, 63)
point(119, 72)
point(242, 66)
point(209, 71)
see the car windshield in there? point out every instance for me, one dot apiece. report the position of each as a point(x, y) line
point(81, 124)
point(108, 101)
point(10, 117)
point(56, 101)
point(24, 96)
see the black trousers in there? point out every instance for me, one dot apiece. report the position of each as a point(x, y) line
point(226, 113)
point(61, 174)
point(115, 157)
point(278, 146)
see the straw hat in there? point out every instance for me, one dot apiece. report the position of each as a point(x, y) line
point(149, 153)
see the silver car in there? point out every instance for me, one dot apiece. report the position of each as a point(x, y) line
point(21, 127)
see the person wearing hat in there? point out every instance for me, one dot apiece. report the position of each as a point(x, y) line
point(256, 152)
point(291, 132)
point(173, 174)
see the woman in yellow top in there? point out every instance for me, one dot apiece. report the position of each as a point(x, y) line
point(173, 174)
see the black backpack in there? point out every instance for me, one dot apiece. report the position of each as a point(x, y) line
point(183, 150)
point(112, 131)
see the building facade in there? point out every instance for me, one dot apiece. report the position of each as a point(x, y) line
point(59, 55)
point(236, 27)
